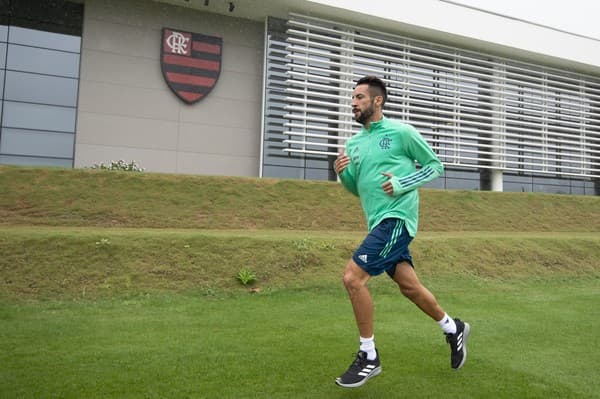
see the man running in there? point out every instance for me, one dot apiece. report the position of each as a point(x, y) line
point(379, 167)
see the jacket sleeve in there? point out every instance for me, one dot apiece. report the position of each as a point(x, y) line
point(431, 167)
point(348, 179)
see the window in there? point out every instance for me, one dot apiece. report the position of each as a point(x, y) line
point(477, 111)
point(40, 45)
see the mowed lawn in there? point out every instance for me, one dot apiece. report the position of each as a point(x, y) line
point(534, 338)
point(116, 285)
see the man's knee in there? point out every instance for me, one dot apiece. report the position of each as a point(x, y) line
point(407, 280)
point(354, 277)
point(410, 289)
point(351, 281)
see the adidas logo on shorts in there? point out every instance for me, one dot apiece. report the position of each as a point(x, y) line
point(363, 258)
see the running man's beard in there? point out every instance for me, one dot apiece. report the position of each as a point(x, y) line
point(365, 115)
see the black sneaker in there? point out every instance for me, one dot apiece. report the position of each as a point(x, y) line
point(458, 344)
point(360, 371)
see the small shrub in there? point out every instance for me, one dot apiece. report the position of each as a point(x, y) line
point(246, 276)
point(326, 245)
point(301, 245)
point(103, 242)
point(119, 165)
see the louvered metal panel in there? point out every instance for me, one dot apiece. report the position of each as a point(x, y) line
point(477, 111)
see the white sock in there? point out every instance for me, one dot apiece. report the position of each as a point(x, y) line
point(447, 324)
point(368, 345)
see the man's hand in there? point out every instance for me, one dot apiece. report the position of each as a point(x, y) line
point(341, 162)
point(387, 185)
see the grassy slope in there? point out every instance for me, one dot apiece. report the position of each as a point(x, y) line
point(83, 233)
point(522, 268)
point(64, 197)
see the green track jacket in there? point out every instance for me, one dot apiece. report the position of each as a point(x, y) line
point(392, 147)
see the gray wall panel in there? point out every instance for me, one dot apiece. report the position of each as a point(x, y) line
point(37, 143)
point(121, 82)
point(51, 62)
point(27, 87)
point(37, 161)
point(56, 41)
point(38, 117)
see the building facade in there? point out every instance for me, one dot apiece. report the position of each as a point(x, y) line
point(507, 104)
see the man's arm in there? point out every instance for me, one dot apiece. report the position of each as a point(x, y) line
point(343, 168)
point(431, 167)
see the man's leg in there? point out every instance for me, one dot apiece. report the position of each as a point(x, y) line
point(455, 330)
point(411, 287)
point(355, 281)
point(366, 365)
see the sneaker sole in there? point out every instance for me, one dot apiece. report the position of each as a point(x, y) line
point(376, 371)
point(465, 337)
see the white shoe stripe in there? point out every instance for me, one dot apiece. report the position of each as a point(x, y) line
point(459, 341)
point(367, 370)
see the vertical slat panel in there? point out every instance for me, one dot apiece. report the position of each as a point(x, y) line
point(477, 111)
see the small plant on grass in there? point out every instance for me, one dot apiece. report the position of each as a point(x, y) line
point(326, 245)
point(302, 245)
point(246, 276)
point(103, 242)
point(119, 165)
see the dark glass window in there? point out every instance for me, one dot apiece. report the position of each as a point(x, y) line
point(40, 46)
point(56, 16)
point(41, 89)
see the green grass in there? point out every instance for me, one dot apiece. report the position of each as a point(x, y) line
point(125, 285)
point(84, 197)
point(75, 263)
point(529, 340)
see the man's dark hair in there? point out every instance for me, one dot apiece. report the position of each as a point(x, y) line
point(376, 87)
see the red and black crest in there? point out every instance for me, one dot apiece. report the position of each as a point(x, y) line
point(191, 63)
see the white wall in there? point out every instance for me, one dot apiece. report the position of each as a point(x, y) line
point(578, 17)
point(475, 28)
point(126, 111)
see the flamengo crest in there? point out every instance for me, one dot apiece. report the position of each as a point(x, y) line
point(191, 63)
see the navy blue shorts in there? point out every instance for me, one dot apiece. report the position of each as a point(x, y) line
point(384, 247)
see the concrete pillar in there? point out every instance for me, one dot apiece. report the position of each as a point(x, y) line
point(496, 180)
point(498, 128)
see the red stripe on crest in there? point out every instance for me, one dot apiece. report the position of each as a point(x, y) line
point(192, 62)
point(189, 96)
point(190, 79)
point(206, 47)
